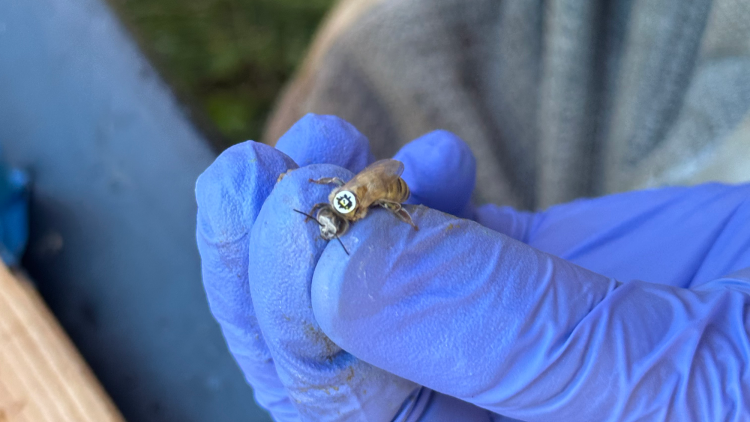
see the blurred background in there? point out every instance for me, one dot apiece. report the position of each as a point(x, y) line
point(227, 59)
point(111, 109)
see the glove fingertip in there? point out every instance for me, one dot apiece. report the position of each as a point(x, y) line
point(322, 139)
point(506, 220)
point(440, 170)
point(232, 189)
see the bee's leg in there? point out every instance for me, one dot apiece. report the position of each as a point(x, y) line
point(404, 216)
point(344, 227)
point(329, 181)
point(282, 175)
point(399, 212)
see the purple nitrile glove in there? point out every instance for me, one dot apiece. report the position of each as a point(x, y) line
point(475, 314)
point(259, 256)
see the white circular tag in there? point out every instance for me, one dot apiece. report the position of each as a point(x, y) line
point(345, 202)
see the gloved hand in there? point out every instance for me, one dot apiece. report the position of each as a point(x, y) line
point(258, 258)
point(547, 332)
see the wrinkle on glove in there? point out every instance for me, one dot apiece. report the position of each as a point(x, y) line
point(472, 313)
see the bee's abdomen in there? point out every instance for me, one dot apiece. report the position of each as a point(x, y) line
point(398, 191)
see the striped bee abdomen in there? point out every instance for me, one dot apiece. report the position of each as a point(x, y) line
point(398, 191)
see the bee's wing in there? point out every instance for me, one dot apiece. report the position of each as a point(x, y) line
point(388, 169)
point(381, 173)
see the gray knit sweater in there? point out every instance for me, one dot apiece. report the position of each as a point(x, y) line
point(558, 99)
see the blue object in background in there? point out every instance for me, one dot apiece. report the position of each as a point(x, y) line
point(14, 220)
point(114, 159)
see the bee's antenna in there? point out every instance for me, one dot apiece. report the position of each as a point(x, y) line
point(308, 217)
point(342, 245)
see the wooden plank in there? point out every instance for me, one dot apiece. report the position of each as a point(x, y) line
point(43, 378)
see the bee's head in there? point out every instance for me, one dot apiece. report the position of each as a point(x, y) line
point(330, 223)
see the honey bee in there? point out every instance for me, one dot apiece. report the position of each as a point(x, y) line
point(380, 184)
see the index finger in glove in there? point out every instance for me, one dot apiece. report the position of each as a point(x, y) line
point(455, 306)
point(440, 170)
point(320, 139)
point(324, 382)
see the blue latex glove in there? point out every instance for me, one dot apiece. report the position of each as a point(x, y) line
point(475, 313)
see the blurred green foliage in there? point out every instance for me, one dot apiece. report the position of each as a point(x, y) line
point(230, 57)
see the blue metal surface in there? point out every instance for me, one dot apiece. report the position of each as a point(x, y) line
point(113, 162)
